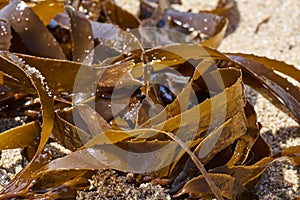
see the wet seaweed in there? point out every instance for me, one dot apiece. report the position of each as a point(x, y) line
point(186, 98)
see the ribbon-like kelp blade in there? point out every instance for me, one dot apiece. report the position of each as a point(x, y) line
point(208, 29)
point(220, 101)
point(221, 138)
point(119, 16)
point(263, 70)
point(245, 177)
point(47, 107)
point(109, 39)
point(31, 30)
point(245, 143)
point(95, 122)
point(59, 184)
point(111, 43)
point(55, 70)
point(212, 26)
point(229, 10)
point(198, 187)
point(21, 136)
point(82, 38)
point(98, 162)
point(259, 71)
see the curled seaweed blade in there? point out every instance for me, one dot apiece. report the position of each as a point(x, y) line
point(38, 82)
point(95, 122)
point(282, 92)
point(55, 72)
point(20, 137)
point(206, 28)
point(198, 188)
point(67, 134)
point(108, 40)
point(82, 38)
point(16, 85)
point(213, 143)
point(244, 177)
point(119, 16)
point(31, 30)
point(245, 143)
point(222, 137)
point(241, 178)
point(16, 75)
point(206, 111)
point(111, 41)
point(229, 10)
point(216, 191)
point(52, 185)
point(211, 27)
point(108, 154)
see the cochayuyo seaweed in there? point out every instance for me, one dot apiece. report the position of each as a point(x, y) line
point(68, 66)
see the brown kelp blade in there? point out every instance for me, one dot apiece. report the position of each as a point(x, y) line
point(244, 178)
point(198, 187)
point(117, 15)
point(264, 72)
point(6, 35)
point(97, 153)
point(38, 82)
point(111, 36)
point(21, 136)
point(208, 29)
point(109, 39)
point(54, 71)
point(82, 38)
point(245, 143)
point(211, 27)
point(142, 134)
point(229, 10)
point(53, 184)
point(222, 137)
point(95, 122)
point(31, 30)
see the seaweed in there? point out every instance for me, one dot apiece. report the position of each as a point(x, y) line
point(124, 98)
